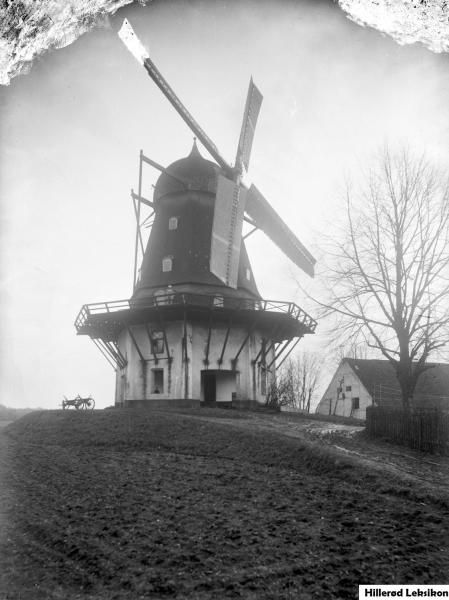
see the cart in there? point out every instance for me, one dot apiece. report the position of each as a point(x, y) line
point(79, 403)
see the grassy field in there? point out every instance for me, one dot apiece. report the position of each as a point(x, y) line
point(130, 504)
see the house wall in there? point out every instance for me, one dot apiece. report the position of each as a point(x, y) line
point(333, 403)
point(181, 381)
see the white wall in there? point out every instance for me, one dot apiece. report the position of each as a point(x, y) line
point(344, 406)
point(138, 381)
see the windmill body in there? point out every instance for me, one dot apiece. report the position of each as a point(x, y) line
point(183, 232)
point(196, 329)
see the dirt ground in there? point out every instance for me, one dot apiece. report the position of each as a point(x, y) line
point(213, 504)
point(429, 471)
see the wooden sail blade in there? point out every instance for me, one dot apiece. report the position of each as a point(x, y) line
point(132, 42)
point(134, 45)
point(227, 231)
point(267, 219)
point(252, 109)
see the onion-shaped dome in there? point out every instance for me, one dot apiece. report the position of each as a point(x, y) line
point(193, 172)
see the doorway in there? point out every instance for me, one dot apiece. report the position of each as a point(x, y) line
point(208, 387)
point(218, 386)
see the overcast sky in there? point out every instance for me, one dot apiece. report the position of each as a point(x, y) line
point(71, 131)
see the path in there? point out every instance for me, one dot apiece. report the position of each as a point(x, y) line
point(428, 470)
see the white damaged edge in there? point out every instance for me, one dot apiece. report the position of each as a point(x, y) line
point(132, 42)
point(406, 21)
point(46, 25)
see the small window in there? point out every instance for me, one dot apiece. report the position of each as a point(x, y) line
point(218, 301)
point(157, 342)
point(248, 274)
point(167, 264)
point(157, 381)
point(348, 388)
point(355, 403)
point(173, 223)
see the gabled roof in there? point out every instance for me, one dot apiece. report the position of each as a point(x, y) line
point(374, 372)
point(433, 384)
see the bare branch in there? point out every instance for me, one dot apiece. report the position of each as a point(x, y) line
point(388, 278)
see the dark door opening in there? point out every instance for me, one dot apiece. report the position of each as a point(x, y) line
point(218, 386)
point(209, 386)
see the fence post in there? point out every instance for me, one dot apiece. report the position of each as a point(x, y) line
point(426, 430)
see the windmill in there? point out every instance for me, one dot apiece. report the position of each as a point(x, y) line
point(233, 199)
point(196, 329)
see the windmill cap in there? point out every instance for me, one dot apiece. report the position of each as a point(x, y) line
point(197, 173)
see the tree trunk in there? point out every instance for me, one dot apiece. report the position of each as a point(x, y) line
point(407, 382)
point(309, 397)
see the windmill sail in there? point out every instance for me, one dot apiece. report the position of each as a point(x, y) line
point(252, 109)
point(267, 219)
point(227, 231)
point(138, 50)
point(231, 197)
point(132, 42)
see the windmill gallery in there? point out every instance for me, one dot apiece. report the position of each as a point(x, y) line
point(196, 329)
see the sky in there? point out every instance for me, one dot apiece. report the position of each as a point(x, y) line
point(72, 129)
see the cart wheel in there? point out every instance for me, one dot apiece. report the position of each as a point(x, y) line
point(91, 403)
point(84, 405)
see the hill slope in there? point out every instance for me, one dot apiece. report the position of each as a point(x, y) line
point(129, 504)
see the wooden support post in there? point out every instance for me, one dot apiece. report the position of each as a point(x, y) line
point(167, 349)
point(162, 325)
point(147, 329)
point(137, 214)
point(220, 360)
point(250, 332)
point(115, 352)
point(289, 352)
point(136, 246)
point(279, 353)
point(135, 344)
point(267, 350)
point(143, 200)
point(234, 360)
point(209, 334)
point(250, 233)
point(262, 346)
point(146, 222)
point(186, 358)
point(111, 360)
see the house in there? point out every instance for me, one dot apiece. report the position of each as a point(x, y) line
point(358, 383)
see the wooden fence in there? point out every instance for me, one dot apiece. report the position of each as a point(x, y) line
point(423, 429)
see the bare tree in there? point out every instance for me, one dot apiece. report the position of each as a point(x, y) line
point(280, 392)
point(351, 350)
point(298, 378)
point(388, 278)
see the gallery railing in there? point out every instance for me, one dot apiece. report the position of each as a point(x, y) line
point(215, 302)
